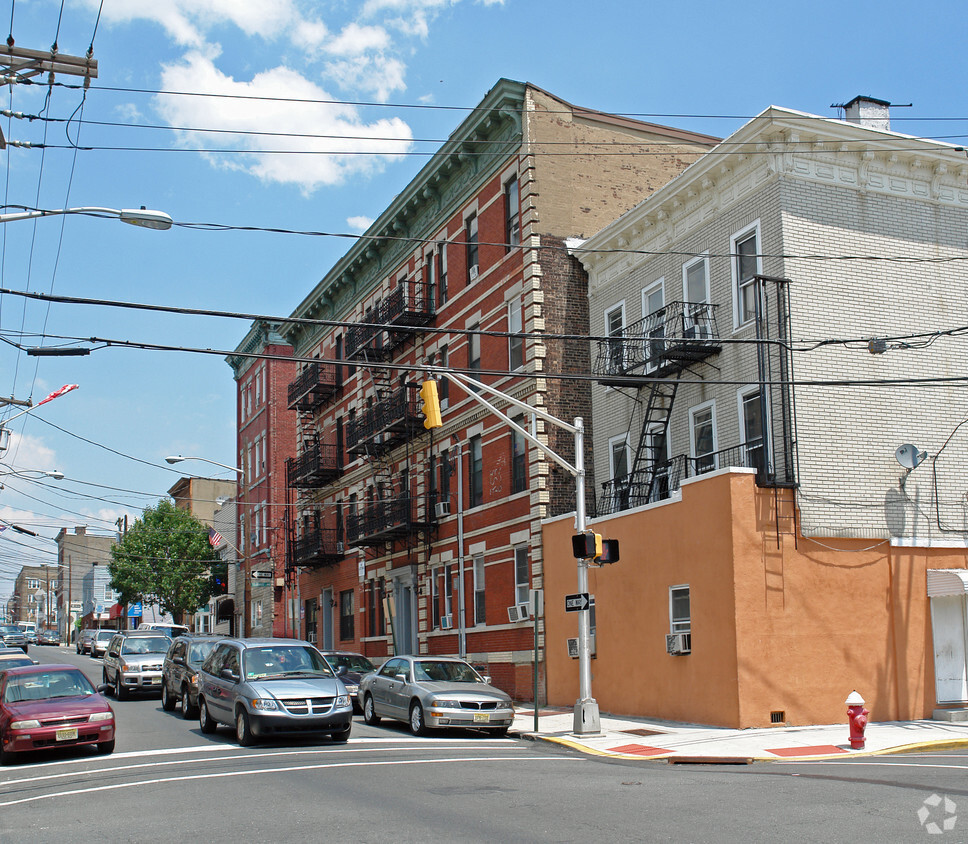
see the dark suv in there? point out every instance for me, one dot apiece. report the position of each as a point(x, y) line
point(179, 674)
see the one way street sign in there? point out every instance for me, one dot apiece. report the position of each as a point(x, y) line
point(577, 603)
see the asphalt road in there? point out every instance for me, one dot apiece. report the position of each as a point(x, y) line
point(168, 782)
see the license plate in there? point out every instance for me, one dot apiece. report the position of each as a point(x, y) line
point(67, 734)
point(481, 717)
point(154, 681)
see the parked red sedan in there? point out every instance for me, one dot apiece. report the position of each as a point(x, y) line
point(48, 706)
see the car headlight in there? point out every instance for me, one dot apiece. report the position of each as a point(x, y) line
point(352, 689)
point(445, 704)
point(343, 700)
point(193, 679)
point(101, 716)
point(265, 704)
point(129, 668)
point(24, 725)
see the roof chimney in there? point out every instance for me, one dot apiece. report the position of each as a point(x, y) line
point(869, 112)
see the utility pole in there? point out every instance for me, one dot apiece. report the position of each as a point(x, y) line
point(20, 63)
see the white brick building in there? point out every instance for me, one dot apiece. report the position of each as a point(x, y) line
point(861, 233)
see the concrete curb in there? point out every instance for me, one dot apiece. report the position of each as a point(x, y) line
point(712, 759)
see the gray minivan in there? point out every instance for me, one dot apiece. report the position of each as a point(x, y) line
point(268, 686)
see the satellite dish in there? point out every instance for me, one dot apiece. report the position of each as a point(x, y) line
point(909, 456)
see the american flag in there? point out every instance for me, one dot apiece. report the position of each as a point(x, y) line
point(214, 538)
point(65, 389)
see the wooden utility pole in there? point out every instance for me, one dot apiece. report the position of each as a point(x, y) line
point(25, 64)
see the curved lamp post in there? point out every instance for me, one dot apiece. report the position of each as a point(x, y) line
point(177, 458)
point(142, 217)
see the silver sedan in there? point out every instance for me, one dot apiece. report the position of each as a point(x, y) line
point(430, 691)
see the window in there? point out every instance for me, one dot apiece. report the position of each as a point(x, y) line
point(346, 614)
point(695, 289)
point(442, 274)
point(435, 598)
point(521, 575)
point(751, 419)
point(615, 328)
point(653, 302)
point(443, 385)
point(470, 238)
point(443, 484)
point(447, 611)
point(476, 480)
point(512, 214)
point(746, 265)
point(679, 617)
point(703, 425)
point(33, 584)
point(474, 347)
point(479, 592)
point(618, 468)
point(257, 613)
point(519, 459)
point(515, 341)
point(657, 443)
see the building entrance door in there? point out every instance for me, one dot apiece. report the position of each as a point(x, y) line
point(327, 620)
point(949, 628)
point(403, 622)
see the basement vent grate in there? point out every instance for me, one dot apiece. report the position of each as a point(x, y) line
point(778, 717)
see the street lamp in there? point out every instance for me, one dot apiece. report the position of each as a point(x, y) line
point(173, 458)
point(141, 217)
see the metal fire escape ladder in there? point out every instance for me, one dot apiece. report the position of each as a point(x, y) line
point(655, 422)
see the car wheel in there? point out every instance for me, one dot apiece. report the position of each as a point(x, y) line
point(106, 747)
point(417, 726)
point(343, 735)
point(167, 702)
point(243, 733)
point(369, 713)
point(205, 722)
point(188, 711)
point(120, 692)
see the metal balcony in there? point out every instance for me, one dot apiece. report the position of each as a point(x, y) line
point(409, 304)
point(366, 340)
point(313, 386)
point(318, 466)
point(667, 340)
point(386, 424)
point(318, 547)
point(387, 520)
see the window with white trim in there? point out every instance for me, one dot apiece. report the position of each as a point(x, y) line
point(512, 214)
point(521, 581)
point(697, 318)
point(657, 443)
point(752, 429)
point(746, 266)
point(615, 329)
point(702, 427)
point(470, 238)
point(619, 460)
point(653, 309)
point(680, 619)
point(515, 329)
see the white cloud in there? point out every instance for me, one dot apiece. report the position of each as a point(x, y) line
point(309, 162)
point(359, 224)
point(356, 39)
point(378, 76)
point(28, 454)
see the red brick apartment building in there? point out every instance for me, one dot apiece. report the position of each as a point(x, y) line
point(406, 540)
point(263, 369)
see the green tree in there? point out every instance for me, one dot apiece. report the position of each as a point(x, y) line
point(164, 558)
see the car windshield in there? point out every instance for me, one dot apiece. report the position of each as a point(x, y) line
point(145, 645)
point(445, 671)
point(47, 685)
point(271, 661)
point(8, 630)
point(103, 635)
point(14, 661)
point(198, 652)
point(352, 662)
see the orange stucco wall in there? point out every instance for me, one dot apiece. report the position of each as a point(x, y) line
point(779, 624)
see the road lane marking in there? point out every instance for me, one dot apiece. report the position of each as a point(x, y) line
point(290, 769)
point(295, 752)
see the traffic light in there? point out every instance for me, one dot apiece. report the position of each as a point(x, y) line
point(431, 405)
point(587, 545)
point(220, 581)
point(609, 552)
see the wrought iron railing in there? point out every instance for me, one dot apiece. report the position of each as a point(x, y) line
point(314, 385)
point(318, 547)
point(317, 466)
point(667, 339)
point(387, 519)
point(388, 422)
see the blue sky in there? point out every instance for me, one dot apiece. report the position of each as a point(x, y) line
point(707, 69)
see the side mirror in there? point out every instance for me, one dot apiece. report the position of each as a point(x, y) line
point(341, 670)
point(229, 674)
point(104, 688)
point(487, 679)
point(178, 660)
point(112, 653)
point(401, 677)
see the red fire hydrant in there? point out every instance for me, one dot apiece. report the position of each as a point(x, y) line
point(857, 719)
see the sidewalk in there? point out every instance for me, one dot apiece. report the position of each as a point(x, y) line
point(667, 741)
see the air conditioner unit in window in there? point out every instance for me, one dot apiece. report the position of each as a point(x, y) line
point(473, 272)
point(446, 623)
point(442, 508)
point(339, 548)
point(521, 612)
point(678, 643)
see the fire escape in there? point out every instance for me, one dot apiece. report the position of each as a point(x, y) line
point(391, 418)
point(317, 542)
point(652, 355)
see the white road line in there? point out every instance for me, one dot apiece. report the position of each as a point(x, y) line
point(290, 769)
point(866, 764)
point(296, 752)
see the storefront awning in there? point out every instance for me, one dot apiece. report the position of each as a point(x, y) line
point(114, 612)
point(942, 582)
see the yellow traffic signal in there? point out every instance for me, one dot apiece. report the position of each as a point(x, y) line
point(431, 405)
